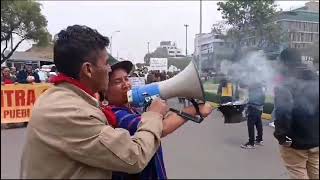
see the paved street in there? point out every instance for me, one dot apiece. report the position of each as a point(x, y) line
point(212, 150)
point(207, 150)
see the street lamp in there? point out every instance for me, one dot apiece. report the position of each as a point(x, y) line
point(111, 40)
point(186, 25)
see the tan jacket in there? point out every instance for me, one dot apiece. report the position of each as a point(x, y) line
point(67, 138)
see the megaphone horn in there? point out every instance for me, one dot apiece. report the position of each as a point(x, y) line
point(185, 84)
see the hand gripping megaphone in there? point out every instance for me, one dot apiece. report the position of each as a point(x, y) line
point(186, 84)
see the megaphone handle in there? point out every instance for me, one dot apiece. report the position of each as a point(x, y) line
point(187, 116)
point(196, 106)
point(146, 105)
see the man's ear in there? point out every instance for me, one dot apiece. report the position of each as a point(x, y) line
point(87, 69)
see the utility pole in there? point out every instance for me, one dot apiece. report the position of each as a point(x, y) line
point(199, 42)
point(200, 16)
point(111, 40)
point(186, 25)
point(148, 47)
point(110, 44)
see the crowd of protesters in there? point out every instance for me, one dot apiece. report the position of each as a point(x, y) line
point(156, 76)
point(28, 74)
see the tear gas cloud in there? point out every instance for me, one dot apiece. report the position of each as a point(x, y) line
point(255, 67)
point(252, 67)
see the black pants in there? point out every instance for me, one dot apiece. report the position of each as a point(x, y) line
point(254, 119)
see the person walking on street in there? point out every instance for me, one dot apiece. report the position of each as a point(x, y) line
point(254, 111)
point(297, 117)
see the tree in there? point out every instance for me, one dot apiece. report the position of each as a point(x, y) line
point(22, 20)
point(160, 52)
point(251, 19)
point(220, 27)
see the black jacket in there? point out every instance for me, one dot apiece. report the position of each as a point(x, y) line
point(23, 74)
point(297, 111)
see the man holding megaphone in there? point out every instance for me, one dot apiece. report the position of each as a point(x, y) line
point(122, 100)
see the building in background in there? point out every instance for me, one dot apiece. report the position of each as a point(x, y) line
point(171, 48)
point(302, 28)
point(299, 29)
point(18, 60)
point(301, 25)
point(172, 53)
point(37, 55)
point(213, 48)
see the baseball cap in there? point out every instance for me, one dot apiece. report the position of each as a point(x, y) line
point(115, 64)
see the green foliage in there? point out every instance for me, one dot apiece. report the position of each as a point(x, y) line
point(240, 13)
point(180, 63)
point(44, 39)
point(268, 107)
point(215, 81)
point(251, 19)
point(22, 19)
point(213, 97)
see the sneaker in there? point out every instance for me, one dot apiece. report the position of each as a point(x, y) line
point(271, 124)
point(260, 143)
point(247, 146)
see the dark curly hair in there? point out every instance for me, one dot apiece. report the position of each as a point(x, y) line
point(74, 46)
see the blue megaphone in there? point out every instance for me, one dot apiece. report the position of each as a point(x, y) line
point(186, 84)
point(142, 95)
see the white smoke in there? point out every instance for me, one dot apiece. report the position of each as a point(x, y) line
point(252, 67)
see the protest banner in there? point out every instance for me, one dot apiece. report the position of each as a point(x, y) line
point(17, 101)
point(160, 64)
point(137, 81)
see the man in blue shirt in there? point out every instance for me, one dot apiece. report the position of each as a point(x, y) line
point(256, 101)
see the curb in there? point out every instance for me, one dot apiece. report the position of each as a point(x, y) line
point(264, 116)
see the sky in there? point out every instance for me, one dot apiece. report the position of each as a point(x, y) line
point(139, 22)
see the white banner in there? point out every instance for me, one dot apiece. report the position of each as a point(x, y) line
point(137, 81)
point(160, 64)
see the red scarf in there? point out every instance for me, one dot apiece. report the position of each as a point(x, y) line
point(7, 81)
point(61, 78)
point(112, 120)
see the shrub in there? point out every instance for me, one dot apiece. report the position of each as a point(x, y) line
point(213, 97)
